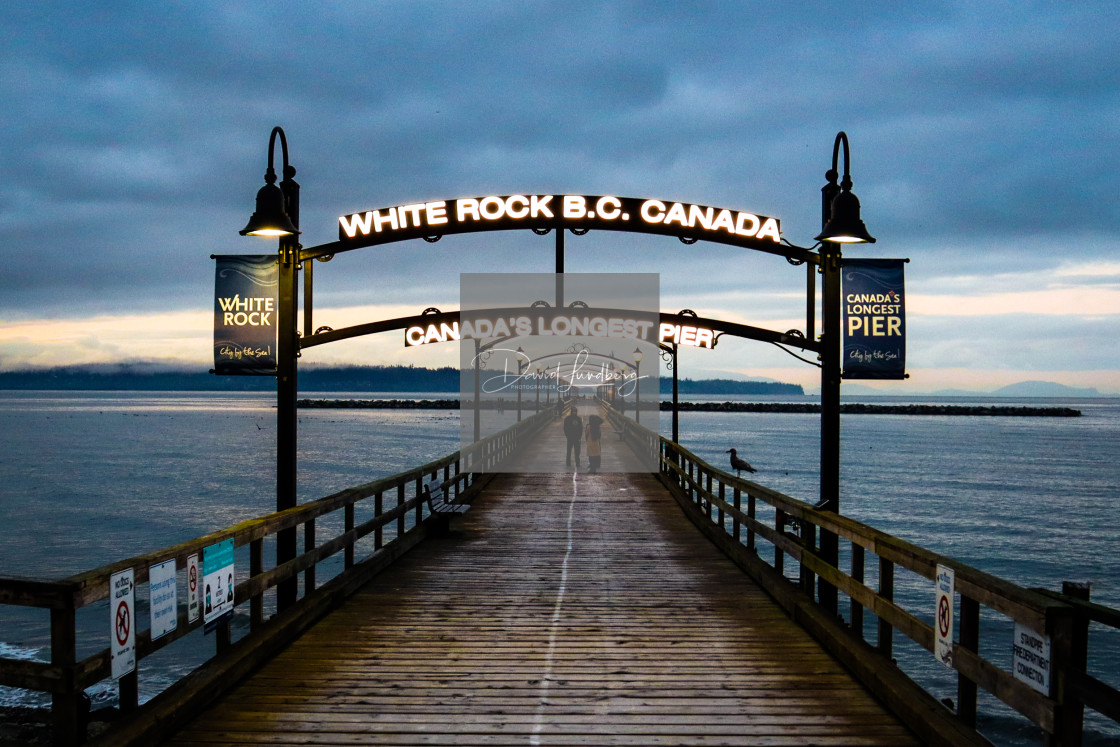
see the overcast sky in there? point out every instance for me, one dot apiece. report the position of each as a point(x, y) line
point(984, 147)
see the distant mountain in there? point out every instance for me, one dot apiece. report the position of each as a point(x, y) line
point(144, 377)
point(730, 386)
point(957, 393)
point(1044, 389)
point(1026, 389)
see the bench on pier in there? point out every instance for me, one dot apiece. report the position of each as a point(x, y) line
point(439, 506)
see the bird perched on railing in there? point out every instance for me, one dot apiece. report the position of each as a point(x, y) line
point(739, 465)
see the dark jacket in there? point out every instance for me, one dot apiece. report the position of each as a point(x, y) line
point(573, 427)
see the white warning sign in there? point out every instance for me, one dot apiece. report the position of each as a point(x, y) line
point(943, 618)
point(193, 579)
point(1030, 658)
point(122, 623)
point(164, 599)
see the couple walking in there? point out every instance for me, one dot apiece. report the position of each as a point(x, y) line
point(575, 432)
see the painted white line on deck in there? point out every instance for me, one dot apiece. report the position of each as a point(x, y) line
point(557, 608)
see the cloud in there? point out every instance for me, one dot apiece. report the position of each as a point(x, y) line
point(134, 139)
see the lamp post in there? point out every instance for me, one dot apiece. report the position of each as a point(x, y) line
point(637, 385)
point(477, 391)
point(840, 224)
point(676, 397)
point(520, 368)
point(277, 215)
point(538, 408)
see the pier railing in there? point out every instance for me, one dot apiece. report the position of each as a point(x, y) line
point(398, 518)
point(750, 522)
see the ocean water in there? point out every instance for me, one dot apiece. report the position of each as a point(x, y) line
point(87, 478)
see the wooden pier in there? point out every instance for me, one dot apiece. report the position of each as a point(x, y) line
point(570, 609)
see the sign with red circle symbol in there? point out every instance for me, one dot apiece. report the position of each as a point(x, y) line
point(944, 581)
point(944, 617)
point(124, 624)
point(122, 631)
point(193, 609)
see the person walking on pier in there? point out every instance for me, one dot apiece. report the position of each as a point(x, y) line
point(573, 432)
point(594, 450)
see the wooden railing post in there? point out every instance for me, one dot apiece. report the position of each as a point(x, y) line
point(736, 524)
point(1069, 651)
point(348, 526)
point(708, 497)
point(809, 545)
point(67, 717)
point(400, 517)
point(779, 555)
point(970, 641)
point(256, 568)
point(1067, 728)
point(378, 509)
point(223, 637)
point(886, 591)
point(128, 692)
point(855, 609)
point(751, 515)
point(308, 546)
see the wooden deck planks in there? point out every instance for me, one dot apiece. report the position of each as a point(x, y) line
point(572, 609)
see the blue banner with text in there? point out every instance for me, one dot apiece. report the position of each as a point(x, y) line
point(874, 319)
point(245, 308)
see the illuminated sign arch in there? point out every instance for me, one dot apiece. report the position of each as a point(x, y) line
point(579, 213)
point(449, 320)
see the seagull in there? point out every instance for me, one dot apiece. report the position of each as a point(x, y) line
point(739, 465)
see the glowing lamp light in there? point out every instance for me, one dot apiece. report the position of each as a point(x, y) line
point(845, 225)
point(841, 208)
point(270, 218)
point(277, 205)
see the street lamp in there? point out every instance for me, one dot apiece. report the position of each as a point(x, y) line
point(637, 385)
point(539, 368)
point(520, 367)
point(277, 212)
point(277, 215)
point(840, 219)
point(840, 224)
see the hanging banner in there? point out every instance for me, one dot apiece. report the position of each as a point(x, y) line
point(874, 319)
point(245, 308)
